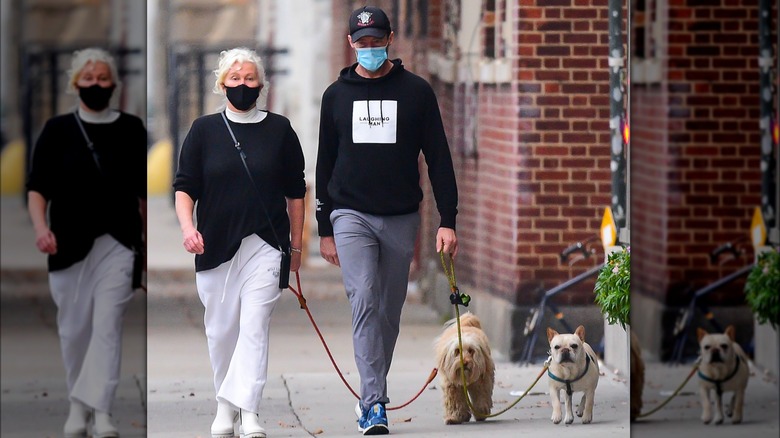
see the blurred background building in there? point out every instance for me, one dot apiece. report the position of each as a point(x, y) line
point(704, 102)
point(38, 39)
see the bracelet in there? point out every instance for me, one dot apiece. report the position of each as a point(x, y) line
point(293, 249)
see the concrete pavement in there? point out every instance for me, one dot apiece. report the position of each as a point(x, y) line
point(304, 396)
point(168, 391)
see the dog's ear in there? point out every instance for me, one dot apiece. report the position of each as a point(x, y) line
point(580, 332)
point(551, 334)
point(700, 333)
point(731, 333)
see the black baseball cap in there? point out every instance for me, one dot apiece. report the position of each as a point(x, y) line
point(368, 21)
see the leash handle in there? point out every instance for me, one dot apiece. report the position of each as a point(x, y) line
point(456, 297)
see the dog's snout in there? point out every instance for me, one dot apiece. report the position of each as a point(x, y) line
point(716, 356)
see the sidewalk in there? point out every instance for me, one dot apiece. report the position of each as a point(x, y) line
point(303, 396)
point(166, 388)
point(168, 392)
point(681, 417)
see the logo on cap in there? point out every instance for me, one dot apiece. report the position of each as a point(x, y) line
point(365, 19)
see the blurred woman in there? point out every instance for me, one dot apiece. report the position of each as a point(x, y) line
point(88, 173)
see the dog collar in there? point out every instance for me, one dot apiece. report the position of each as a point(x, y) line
point(717, 383)
point(569, 382)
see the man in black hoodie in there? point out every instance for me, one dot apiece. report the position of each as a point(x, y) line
point(375, 120)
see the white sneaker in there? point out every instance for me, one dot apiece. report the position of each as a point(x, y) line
point(222, 427)
point(358, 410)
point(76, 424)
point(103, 426)
point(250, 425)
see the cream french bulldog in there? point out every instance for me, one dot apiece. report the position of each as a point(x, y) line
point(723, 368)
point(573, 369)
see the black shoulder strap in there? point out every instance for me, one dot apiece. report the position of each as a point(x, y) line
point(90, 145)
point(249, 174)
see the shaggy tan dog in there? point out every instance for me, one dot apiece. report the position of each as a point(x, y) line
point(478, 367)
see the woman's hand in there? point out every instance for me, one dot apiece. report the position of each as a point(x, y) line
point(193, 241)
point(295, 262)
point(45, 240)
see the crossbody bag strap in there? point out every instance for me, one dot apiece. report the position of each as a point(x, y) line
point(249, 174)
point(90, 145)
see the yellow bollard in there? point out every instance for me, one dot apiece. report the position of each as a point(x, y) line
point(159, 174)
point(12, 168)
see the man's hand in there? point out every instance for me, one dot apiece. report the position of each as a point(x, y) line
point(328, 250)
point(447, 241)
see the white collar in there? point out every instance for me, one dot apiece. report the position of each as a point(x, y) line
point(105, 116)
point(254, 115)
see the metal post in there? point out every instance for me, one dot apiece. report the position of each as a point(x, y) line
point(617, 117)
point(765, 63)
point(200, 67)
point(173, 105)
point(53, 67)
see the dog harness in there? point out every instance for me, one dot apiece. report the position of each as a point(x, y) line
point(569, 382)
point(717, 383)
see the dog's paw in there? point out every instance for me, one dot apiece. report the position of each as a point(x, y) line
point(587, 418)
point(569, 419)
point(718, 419)
point(556, 417)
point(737, 419)
point(580, 410)
point(706, 418)
point(452, 421)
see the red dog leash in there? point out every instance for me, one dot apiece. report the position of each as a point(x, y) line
point(302, 301)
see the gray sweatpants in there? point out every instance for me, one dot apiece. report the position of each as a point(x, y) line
point(375, 253)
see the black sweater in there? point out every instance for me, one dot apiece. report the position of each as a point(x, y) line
point(83, 202)
point(371, 135)
point(210, 172)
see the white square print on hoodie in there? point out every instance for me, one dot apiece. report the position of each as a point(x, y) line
point(374, 121)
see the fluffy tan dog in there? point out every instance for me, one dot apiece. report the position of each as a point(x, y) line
point(478, 367)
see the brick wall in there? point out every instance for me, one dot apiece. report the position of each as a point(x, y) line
point(539, 179)
point(650, 171)
point(696, 188)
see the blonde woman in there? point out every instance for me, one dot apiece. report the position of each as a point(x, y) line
point(244, 167)
point(89, 172)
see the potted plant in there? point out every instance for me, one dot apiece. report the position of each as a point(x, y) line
point(613, 286)
point(762, 286)
point(612, 290)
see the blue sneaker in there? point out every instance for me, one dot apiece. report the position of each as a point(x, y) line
point(373, 421)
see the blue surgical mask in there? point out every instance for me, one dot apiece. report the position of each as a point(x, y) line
point(371, 58)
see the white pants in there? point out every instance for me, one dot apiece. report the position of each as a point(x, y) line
point(239, 296)
point(91, 298)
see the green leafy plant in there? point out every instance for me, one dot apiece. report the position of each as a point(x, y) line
point(762, 289)
point(613, 286)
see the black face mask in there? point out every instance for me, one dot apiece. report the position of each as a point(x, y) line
point(242, 97)
point(96, 97)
